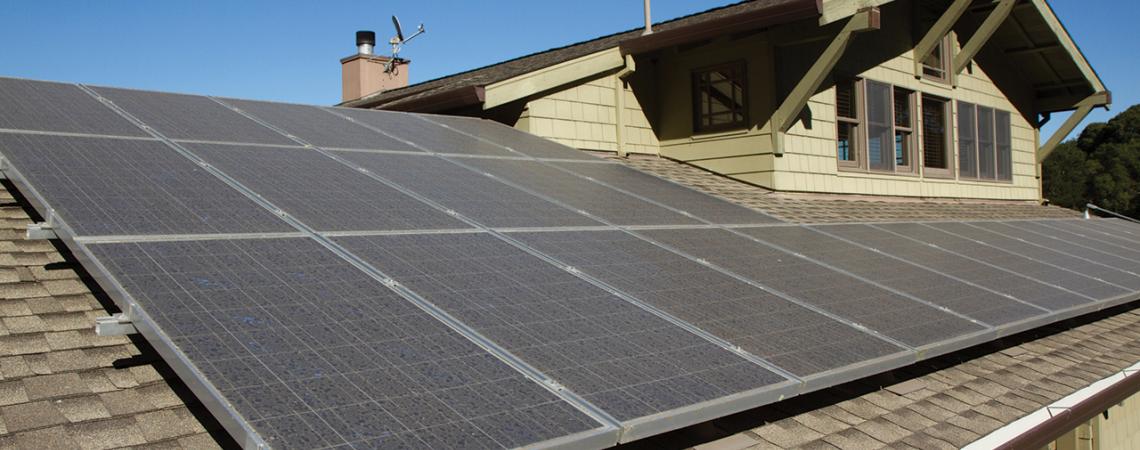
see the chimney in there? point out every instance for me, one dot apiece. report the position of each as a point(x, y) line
point(648, 21)
point(364, 73)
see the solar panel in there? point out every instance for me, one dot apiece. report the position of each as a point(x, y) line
point(1062, 255)
point(321, 192)
point(905, 276)
point(1121, 246)
point(1052, 274)
point(314, 353)
point(522, 142)
point(670, 194)
point(1116, 227)
point(57, 107)
point(317, 127)
point(428, 135)
point(1127, 257)
point(191, 117)
point(578, 193)
point(363, 313)
point(795, 338)
point(621, 358)
point(890, 314)
point(470, 193)
point(105, 186)
point(1019, 290)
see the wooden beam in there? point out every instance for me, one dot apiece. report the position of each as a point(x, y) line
point(1084, 107)
point(831, 11)
point(541, 80)
point(980, 37)
point(934, 36)
point(790, 108)
point(1031, 50)
point(1067, 43)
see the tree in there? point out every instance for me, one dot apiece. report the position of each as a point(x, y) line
point(1101, 166)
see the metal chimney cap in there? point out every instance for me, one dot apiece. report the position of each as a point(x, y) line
point(365, 37)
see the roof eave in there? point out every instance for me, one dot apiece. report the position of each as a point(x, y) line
point(776, 15)
point(440, 101)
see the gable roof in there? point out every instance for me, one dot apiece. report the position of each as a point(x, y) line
point(399, 99)
point(1047, 58)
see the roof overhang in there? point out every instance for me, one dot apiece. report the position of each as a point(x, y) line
point(439, 101)
point(759, 18)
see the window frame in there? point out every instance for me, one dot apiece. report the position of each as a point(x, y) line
point(857, 137)
point(945, 60)
point(994, 142)
point(860, 138)
point(697, 80)
point(948, 153)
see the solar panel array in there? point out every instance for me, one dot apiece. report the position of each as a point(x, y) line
point(325, 277)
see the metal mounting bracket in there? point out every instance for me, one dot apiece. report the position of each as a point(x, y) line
point(41, 231)
point(114, 325)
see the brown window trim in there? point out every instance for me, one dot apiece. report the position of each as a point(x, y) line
point(947, 47)
point(977, 146)
point(949, 154)
point(911, 144)
point(741, 68)
point(857, 137)
point(860, 164)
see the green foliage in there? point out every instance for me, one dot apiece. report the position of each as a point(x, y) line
point(1102, 166)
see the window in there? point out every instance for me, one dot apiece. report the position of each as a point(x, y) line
point(935, 123)
point(984, 143)
point(935, 65)
point(904, 128)
point(847, 120)
point(874, 126)
point(720, 98)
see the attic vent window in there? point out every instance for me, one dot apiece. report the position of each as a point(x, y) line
point(935, 66)
point(720, 97)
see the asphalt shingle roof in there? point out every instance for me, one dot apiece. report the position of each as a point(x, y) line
point(63, 387)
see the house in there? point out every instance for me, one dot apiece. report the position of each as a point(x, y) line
point(64, 386)
point(930, 99)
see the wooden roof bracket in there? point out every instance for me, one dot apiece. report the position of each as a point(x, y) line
point(1084, 107)
point(934, 36)
point(788, 112)
point(980, 37)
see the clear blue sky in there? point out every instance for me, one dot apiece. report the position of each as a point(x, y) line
point(289, 50)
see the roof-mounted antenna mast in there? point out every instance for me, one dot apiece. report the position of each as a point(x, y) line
point(398, 42)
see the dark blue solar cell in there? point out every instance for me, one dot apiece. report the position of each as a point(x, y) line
point(313, 352)
point(103, 186)
point(47, 106)
point(611, 352)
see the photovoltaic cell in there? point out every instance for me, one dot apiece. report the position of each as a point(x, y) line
point(788, 335)
point(922, 283)
point(1116, 227)
point(1119, 246)
point(321, 192)
point(428, 135)
point(898, 317)
point(580, 193)
point(470, 193)
point(104, 186)
point(317, 127)
point(1051, 274)
point(1069, 256)
point(1028, 291)
point(670, 194)
point(179, 116)
point(47, 106)
point(1122, 257)
point(520, 141)
point(314, 353)
point(621, 358)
